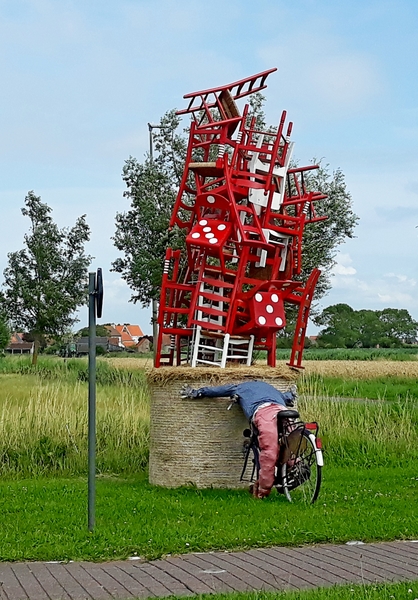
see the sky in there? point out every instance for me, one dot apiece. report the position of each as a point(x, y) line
point(81, 80)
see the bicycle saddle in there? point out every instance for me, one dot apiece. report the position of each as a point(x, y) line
point(288, 414)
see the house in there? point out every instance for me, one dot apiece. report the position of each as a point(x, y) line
point(125, 336)
point(17, 345)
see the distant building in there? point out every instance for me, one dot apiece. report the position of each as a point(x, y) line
point(17, 345)
point(125, 336)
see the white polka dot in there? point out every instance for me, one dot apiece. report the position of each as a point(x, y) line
point(209, 235)
point(274, 298)
point(213, 240)
point(279, 321)
point(262, 320)
point(258, 297)
point(222, 226)
point(269, 308)
point(210, 199)
point(196, 235)
point(203, 222)
point(206, 229)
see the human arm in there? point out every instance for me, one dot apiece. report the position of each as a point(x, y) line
point(221, 391)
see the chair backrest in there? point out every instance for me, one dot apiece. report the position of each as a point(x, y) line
point(212, 206)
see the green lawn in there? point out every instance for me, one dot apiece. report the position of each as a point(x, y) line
point(46, 519)
point(379, 388)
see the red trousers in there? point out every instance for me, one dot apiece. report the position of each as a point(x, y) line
point(265, 420)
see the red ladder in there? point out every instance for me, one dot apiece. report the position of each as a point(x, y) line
point(304, 300)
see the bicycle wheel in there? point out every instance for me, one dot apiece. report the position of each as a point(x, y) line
point(302, 473)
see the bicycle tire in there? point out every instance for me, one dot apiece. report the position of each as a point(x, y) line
point(302, 473)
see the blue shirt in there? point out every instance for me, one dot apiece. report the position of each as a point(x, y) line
point(251, 394)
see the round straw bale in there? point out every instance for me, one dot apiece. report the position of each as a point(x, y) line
point(199, 442)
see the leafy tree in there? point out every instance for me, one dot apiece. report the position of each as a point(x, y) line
point(4, 332)
point(398, 326)
point(322, 238)
point(340, 327)
point(142, 232)
point(46, 282)
point(345, 327)
point(101, 331)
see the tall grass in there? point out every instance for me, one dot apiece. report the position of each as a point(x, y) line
point(43, 420)
point(366, 434)
point(73, 370)
point(43, 427)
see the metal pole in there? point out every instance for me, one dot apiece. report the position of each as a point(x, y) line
point(154, 303)
point(150, 128)
point(92, 404)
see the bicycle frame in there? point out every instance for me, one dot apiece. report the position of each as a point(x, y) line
point(290, 440)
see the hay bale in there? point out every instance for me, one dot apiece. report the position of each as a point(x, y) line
point(199, 442)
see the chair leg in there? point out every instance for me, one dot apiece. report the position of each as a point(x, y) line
point(250, 350)
point(196, 345)
point(225, 350)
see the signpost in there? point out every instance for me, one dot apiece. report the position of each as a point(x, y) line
point(95, 309)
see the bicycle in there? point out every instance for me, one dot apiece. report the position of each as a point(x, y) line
point(298, 472)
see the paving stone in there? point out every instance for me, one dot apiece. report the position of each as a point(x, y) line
point(90, 586)
point(186, 573)
point(253, 576)
point(394, 562)
point(52, 587)
point(106, 581)
point(270, 569)
point(121, 572)
point(230, 580)
point(338, 567)
point(68, 582)
point(155, 587)
point(301, 566)
point(28, 581)
point(371, 567)
point(10, 584)
point(174, 585)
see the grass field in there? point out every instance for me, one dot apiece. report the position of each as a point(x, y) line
point(43, 425)
point(370, 475)
point(46, 519)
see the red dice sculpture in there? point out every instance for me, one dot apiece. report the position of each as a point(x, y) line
point(244, 210)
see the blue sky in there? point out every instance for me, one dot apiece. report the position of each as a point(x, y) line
point(80, 80)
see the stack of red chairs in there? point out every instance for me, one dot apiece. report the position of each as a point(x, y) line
point(244, 210)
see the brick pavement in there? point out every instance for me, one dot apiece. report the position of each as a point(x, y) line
point(268, 569)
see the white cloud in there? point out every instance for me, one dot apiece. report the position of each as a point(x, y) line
point(401, 278)
point(343, 265)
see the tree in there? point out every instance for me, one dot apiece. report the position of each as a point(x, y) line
point(47, 281)
point(340, 327)
point(347, 328)
point(322, 238)
point(4, 332)
point(101, 331)
point(398, 326)
point(142, 232)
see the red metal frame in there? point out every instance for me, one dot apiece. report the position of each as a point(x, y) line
point(244, 242)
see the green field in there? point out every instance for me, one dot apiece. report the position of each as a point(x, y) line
point(370, 475)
